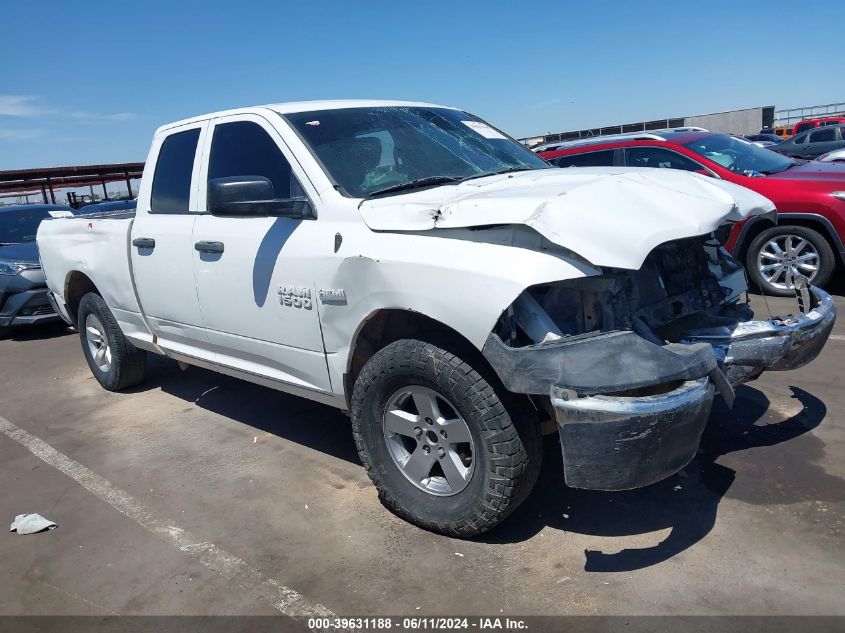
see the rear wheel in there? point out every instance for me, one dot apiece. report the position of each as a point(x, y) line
point(438, 442)
point(777, 254)
point(114, 361)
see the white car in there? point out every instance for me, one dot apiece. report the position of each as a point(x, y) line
point(835, 155)
point(414, 266)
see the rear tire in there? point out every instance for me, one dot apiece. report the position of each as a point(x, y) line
point(769, 258)
point(114, 361)
point(468, 465)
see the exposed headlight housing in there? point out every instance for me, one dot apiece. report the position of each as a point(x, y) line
point(13, 268)
point(722, 233)
point(839, 195)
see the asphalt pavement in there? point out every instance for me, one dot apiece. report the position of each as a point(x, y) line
point(201, 494)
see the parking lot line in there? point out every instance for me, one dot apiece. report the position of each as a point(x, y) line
point(286, 600)
point(837, 337)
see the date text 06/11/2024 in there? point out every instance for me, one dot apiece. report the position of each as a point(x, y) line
point(417, 623)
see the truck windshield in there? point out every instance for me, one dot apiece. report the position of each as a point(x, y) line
point(739, 156)
point(395, 148)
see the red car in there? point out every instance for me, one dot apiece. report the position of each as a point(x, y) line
point(809, 124)
point(810, 197)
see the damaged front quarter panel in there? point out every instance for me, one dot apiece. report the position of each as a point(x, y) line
point(620, 356)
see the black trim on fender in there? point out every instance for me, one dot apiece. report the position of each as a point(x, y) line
point(743, 232)
point(598, 362)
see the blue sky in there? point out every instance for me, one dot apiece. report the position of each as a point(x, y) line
point(89, 82)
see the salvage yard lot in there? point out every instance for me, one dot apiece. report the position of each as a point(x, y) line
point(220, 489)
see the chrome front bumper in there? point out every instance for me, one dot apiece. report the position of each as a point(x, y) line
point(617, 442)
point(781, 343)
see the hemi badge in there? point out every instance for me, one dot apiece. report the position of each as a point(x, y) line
point(335, 297)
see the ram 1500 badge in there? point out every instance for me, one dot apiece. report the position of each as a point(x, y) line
point(468, 295)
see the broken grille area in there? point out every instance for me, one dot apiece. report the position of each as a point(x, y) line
point(677, 288)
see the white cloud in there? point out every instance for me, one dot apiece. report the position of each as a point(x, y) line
point(19, 135)
point(96, 117)
point(21, 106)
point(546, 103)
point(28, 106)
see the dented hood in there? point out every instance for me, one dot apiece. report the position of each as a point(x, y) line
point(611, 217)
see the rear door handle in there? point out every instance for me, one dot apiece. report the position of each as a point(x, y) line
point(144, 242)
point(209, 247)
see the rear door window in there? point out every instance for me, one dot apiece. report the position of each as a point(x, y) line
point(603, 158)
point(171, 190)
point(823, 135)
point(659, 157)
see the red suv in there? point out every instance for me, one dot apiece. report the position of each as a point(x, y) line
point(809, 124)
point(810, 197)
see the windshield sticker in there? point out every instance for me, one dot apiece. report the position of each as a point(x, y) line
point(59, 213)
point(482, 128)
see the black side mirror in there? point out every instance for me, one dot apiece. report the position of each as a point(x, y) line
point(252, 196)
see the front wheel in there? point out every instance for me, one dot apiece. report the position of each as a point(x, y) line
point(438, 442)
point(114, 361)
point(778, 253)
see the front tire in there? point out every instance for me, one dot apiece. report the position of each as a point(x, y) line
point(114, 361)
point(781, 250)
point(438, 442)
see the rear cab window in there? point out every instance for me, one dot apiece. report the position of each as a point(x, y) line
point(171, 190)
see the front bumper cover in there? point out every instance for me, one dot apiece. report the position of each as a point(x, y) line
point(618, 443)
point(27, 307)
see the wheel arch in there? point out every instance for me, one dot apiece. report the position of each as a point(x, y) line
point(77, 285)
point(387, 325)
point(814, 221)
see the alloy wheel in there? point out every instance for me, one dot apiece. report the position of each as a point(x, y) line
point(98, 344)
point(428, 440)
point(785, 256)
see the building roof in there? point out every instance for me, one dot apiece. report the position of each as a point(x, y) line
point(28, 180)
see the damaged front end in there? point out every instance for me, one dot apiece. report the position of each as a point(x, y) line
point(631, 360)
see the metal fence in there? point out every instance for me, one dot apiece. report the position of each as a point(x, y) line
point(791, 116)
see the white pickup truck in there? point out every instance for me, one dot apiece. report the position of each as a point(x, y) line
point(414, 266)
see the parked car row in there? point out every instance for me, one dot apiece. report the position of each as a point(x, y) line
point(813, 143)
point(810, 196)
point(783, 132)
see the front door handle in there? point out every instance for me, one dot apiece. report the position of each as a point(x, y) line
point(144, 242)
point(209, 247)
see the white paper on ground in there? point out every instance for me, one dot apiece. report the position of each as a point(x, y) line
point(30, 524)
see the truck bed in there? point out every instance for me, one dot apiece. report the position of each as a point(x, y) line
point(92, 249)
